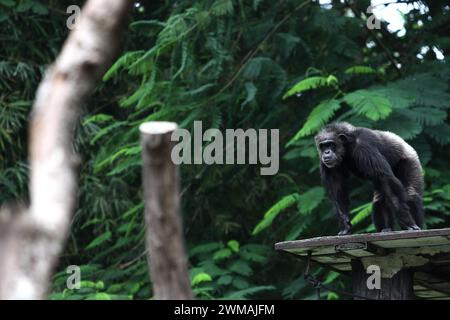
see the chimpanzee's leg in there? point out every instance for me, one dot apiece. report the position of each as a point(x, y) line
point(381, 215)
point(416, 208)
point(409, 172)
point(395, 196)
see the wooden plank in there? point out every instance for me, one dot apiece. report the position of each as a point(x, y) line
point(345, 267)
point(329, 259)
point(368, 237)
point(432, 283)
point(430, 295)
point(418, 288)
point(314, 251)
point(440, 298)
point(360, 253)
point(413, 242)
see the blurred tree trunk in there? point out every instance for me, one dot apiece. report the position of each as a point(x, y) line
point(30, 242)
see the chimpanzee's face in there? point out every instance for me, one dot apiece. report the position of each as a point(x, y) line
point(331, 149)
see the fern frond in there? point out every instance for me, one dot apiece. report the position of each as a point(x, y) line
point(253, 68)
point(273, 212)
point(399, 98)
point(203, 19)
point(425, 115)
point(251, 90)
point(311, 83)
point(184, 58)
point(360, 70)
point(309, 200)
point(369, 104)
point(408, 129)
point(205, 248)
point(423, 148)
point(123, 62)
point(317, 118)
point(222, 8)
point(216, 120)
point(440, 133)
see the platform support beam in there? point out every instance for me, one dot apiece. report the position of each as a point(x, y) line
point(399, 287)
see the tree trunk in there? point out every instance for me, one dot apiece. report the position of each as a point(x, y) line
point(164, 235)
point(31, 242)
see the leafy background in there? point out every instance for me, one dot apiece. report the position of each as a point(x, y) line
point(291, 65)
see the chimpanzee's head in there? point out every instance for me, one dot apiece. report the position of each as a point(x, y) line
point(331, 143)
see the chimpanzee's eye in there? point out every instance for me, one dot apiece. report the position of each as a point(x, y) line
point(328, 145)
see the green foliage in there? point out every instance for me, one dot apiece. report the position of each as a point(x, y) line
point(230, 276)
point(311, 83)
point(408, 130)
point(440, 133)
point(360, 70)
point(222, 7)
point(373, 106)
point(200, 277)
point(245, 293)
point(276, 209)
point(310, 199)
point(361, 213)
point(317, 118)
point(99, 240)
point(426, 116)
point(306, 203)
point(233, 245)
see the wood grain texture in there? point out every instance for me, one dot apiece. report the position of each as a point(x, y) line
point(164, 234)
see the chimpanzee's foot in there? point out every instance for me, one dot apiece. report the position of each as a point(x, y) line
point(412, 228)
point(386, 230)
point(345, 232)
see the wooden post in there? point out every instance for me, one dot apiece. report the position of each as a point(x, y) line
point(399, 287)
point(164, 236)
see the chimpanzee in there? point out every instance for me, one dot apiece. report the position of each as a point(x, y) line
point(381, 157)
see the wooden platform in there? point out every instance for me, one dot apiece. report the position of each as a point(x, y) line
point(427, 252)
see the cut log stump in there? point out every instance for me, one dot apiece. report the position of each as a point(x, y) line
point(164, 236)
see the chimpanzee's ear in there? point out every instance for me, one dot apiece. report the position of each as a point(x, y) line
point(343, 137)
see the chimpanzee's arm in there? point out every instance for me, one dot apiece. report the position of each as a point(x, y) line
point(336, 185)
point(370, 162)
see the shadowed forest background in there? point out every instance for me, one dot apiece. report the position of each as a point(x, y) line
point(288, 65)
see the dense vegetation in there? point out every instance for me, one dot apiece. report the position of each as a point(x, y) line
point(292, 65)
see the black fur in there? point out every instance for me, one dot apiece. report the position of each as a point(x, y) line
point(381, 157)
